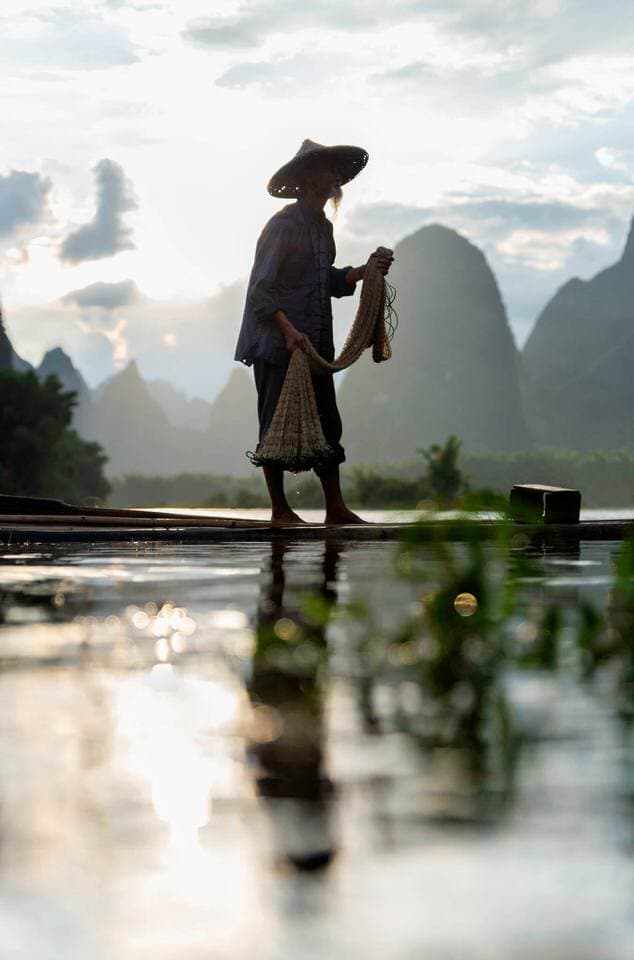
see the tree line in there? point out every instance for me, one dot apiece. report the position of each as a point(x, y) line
point(441, 475)
point(40, 455)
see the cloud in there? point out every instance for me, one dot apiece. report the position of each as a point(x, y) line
point(493, 219)
point(188, 342)
point(544, 63)
point(397, 219)
point(613, 159)
point(256, 20)
point(106, 234)
point(217, 33)
point(108, 296)
point(542, 31)
point(288, 75)
point(114, 334)
point(70, 38)
point(529, 214)
point(536, 33)
point(23, 200)
point(95, 309)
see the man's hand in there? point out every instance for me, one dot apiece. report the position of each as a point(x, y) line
point(384, 259)
point(293, 338)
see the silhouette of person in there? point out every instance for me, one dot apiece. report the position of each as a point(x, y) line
point(289, 300)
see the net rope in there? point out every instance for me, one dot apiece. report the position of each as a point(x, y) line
point(294, 440)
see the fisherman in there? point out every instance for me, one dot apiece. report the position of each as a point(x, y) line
point(288, 300)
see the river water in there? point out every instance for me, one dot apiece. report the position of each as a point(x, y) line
point(303, 751)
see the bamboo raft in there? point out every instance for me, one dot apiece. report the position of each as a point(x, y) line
point(27, 520)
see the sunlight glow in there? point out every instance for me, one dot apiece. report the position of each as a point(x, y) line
point(174, 732)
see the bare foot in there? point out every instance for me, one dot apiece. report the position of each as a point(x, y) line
point(285, 518)
point(343, 517)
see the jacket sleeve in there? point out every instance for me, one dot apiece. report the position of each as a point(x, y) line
point(271, 249)
point(339, 286)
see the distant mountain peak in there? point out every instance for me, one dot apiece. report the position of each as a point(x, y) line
point(455, 361)
point(5, 345)
point(438, 233)
point(56, 361)
point(8, 356)
point(57, 357)
point(57, 352)
point(628, 252)
point(577, 361)
point(128, 373)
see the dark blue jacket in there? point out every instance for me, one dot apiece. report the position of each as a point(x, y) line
point(293, 271)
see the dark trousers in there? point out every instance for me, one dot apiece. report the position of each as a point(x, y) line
point(269, 380)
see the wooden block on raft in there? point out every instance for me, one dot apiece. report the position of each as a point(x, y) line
point(538, 503)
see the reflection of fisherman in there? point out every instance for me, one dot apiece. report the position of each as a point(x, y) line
point(288, 300)
point(288, 723)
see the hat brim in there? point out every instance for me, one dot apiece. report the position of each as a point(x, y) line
point(348, 160)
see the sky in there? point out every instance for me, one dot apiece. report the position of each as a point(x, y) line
point(139, 135)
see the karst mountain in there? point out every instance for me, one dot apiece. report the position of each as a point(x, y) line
point(455, 368)
point(8, 356)
point(57, 362)
point(141, 436)
point(578, 362)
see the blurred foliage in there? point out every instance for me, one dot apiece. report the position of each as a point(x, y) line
point(444, 478)
point(613, 642)
point(484, 500)
point(482, 615)
point(40, 455)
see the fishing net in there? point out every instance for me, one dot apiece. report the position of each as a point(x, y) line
point(295, 440)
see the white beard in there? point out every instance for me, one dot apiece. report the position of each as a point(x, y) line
point(336, 195)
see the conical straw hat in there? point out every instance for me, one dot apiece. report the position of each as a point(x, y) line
point(349, 161)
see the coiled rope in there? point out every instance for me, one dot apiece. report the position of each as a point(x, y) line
point(295, 440)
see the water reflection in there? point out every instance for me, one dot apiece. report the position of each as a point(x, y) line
point(450, 737)
point(287, 690)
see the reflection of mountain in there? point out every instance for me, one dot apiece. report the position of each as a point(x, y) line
point(455, 366)
point(578, 361)
point(58, 362)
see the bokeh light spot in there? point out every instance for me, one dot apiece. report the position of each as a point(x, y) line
point(140, 619)
point(285, 628)
point(266, 724)
point(465, 604)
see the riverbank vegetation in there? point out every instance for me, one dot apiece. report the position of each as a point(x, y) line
point(40, 455)
point(441, 475)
